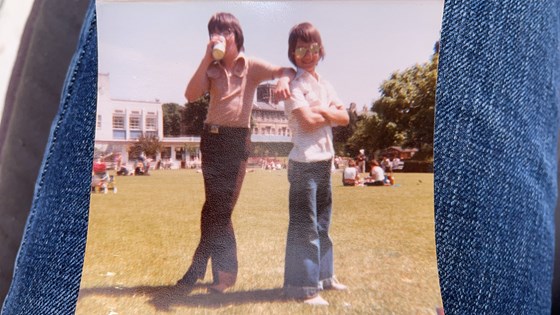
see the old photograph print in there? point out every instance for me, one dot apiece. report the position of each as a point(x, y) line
point(148, 191)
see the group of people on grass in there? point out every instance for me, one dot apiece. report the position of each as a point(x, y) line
point(378, 175)
point(312, 108)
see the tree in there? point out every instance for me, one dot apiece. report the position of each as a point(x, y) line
point(150, 145)
point(404, 114)
point(171, 119)
point(341, 134)
point(373, 133)
point(408, 100)
point(194, 115)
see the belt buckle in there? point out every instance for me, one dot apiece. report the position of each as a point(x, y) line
point(214, 129)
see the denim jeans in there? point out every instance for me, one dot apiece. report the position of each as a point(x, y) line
point(309, 248)
point(495, 167)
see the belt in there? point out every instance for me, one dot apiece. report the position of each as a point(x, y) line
point(217, 129)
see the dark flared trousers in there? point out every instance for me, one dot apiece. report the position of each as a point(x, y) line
point(224, 161)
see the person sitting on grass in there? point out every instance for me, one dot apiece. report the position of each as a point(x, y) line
point(376, 175)
point(351, 175)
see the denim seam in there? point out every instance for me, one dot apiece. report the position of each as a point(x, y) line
point(75, 67)
point(59, 118)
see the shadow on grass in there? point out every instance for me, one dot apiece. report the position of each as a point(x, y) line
point(165, 298)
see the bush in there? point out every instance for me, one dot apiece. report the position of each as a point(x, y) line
point(412, 166)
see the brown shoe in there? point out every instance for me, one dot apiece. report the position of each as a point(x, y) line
point(189, 279)
point(225, 280)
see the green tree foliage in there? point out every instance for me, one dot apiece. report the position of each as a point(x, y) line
point(373, 133)
point(171, 119)
point(404, 115)
point(341, 134)
point(194, 115)
point(150, 145)
point(185, 120)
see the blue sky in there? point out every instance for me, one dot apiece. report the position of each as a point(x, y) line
point(151, 49)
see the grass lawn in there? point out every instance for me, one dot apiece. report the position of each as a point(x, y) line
point(141, 241)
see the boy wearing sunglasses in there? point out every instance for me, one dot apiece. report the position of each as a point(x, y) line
point(312, 110)
point(231, 78)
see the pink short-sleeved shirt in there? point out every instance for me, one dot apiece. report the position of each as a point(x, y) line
point(232, 94)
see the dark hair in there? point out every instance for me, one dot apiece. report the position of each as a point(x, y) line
point(222, 21)
point(307, 33)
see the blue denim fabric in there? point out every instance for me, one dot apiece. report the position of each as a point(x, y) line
point(495, 155)
point(49, 264)
point(495, 167)
point(309, 249)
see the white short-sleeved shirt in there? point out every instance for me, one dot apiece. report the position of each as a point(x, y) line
point(307, 91)
point(350, 172)
point(377, 173)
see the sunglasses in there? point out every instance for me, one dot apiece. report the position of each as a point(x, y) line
point(301, 51)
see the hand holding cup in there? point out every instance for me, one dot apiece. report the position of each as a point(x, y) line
point(219, 48)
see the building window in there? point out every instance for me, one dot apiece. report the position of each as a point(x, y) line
point(135, 134)
point(134, 122)
point(264, 93)
point(118, 121)
point(166, 153)
point(150, 134)
point(119, 134)
point(179, 152)
point(151, 123)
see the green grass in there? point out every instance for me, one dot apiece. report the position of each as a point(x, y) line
point(141, 240)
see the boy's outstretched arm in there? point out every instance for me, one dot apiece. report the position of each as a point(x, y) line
point(282, 89)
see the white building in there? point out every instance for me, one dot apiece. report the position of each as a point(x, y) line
point(120, 123)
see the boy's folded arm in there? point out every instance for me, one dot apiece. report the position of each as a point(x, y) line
point(308, 119)
point(336, 114)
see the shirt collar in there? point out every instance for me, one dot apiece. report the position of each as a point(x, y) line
point(306, 75)
point(239, 65)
